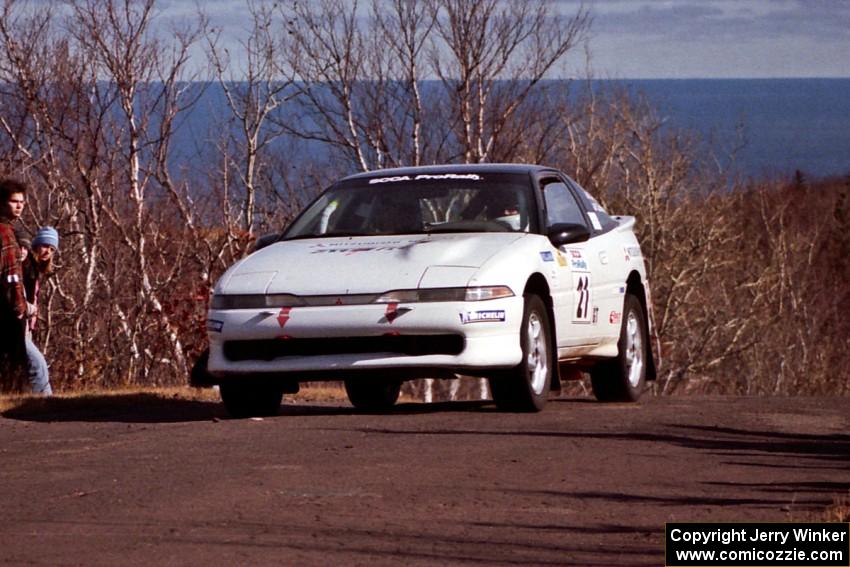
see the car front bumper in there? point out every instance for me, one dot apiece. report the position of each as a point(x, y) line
point(329, 339)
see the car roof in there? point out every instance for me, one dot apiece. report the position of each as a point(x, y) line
point(454, 168)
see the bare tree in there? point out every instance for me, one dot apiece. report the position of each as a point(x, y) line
point(256, 90)
point(55, 119)
point(405, 25)
point(94, 95)
point(491, 56)
point(363, 79)
point(147, 78)
point(327, 62)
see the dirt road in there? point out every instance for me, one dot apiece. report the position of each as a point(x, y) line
point(139, 480)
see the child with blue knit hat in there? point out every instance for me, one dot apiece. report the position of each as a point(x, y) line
point(46, 236)
point(37, 266)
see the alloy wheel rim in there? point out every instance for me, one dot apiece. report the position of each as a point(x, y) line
point(634, 350)
point(537, 358)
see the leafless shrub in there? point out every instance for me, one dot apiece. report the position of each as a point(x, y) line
point(92, 94)
point(748, 279)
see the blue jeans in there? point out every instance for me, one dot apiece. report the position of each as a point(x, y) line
point(37, 370)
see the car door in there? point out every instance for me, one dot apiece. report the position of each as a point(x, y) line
point(610, 272)
point(577, 299)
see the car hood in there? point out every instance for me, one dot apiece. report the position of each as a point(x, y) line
point(374, 264)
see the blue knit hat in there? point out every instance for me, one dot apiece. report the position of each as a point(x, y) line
point(46, 236)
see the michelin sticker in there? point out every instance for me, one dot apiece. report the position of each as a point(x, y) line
point(546, 256)
point(482, 317)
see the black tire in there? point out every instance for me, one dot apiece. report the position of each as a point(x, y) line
point(373, 395)
point(623, 379)
point(525, 388)
point(251, 398)
point(199, 377)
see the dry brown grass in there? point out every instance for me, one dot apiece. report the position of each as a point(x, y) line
point(308, 393)
point(11, 401)
point(319, 392)
point(838, 511)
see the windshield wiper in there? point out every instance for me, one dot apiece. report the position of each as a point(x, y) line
point(325, 235)
point(439, 229)
point(467, 226)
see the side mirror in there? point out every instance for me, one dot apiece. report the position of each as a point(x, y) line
point(567, 233)
point(265, 240)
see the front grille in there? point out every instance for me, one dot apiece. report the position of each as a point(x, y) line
point(409, 345)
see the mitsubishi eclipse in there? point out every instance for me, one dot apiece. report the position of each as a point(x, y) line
point(504, 271)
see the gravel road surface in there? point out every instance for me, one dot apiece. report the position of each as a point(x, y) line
point(145, 480)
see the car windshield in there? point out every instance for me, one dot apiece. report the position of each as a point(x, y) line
point(418, 204)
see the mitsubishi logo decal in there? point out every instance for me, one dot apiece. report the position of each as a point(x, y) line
point(283, 316)
point(392, 312)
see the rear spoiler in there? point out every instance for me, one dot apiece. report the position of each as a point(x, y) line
point(625, 222)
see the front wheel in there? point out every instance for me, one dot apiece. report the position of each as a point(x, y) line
point(526, 387)
point(622, 379)
point(251, 398)
point(373, 395)
point(199, 377)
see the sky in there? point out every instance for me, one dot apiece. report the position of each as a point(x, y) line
point(718, 38)
point(675, 38)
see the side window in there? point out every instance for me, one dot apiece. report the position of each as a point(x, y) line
point(600, 219)
point(561, 206)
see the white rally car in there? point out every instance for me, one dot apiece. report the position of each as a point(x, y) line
point(510, 272)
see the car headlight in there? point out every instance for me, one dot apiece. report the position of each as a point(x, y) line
point(480, 293)
point(254, 301)
point(259, 301)
point(483, 293)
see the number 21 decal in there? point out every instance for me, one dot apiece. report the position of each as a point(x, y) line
point(582, 297)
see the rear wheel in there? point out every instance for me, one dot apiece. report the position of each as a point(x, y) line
point(622, 379)
point(251, 398)
point(526, 387)
point(373, 395)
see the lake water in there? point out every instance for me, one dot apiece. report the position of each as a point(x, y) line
point(787, 124)
point(784, 125)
